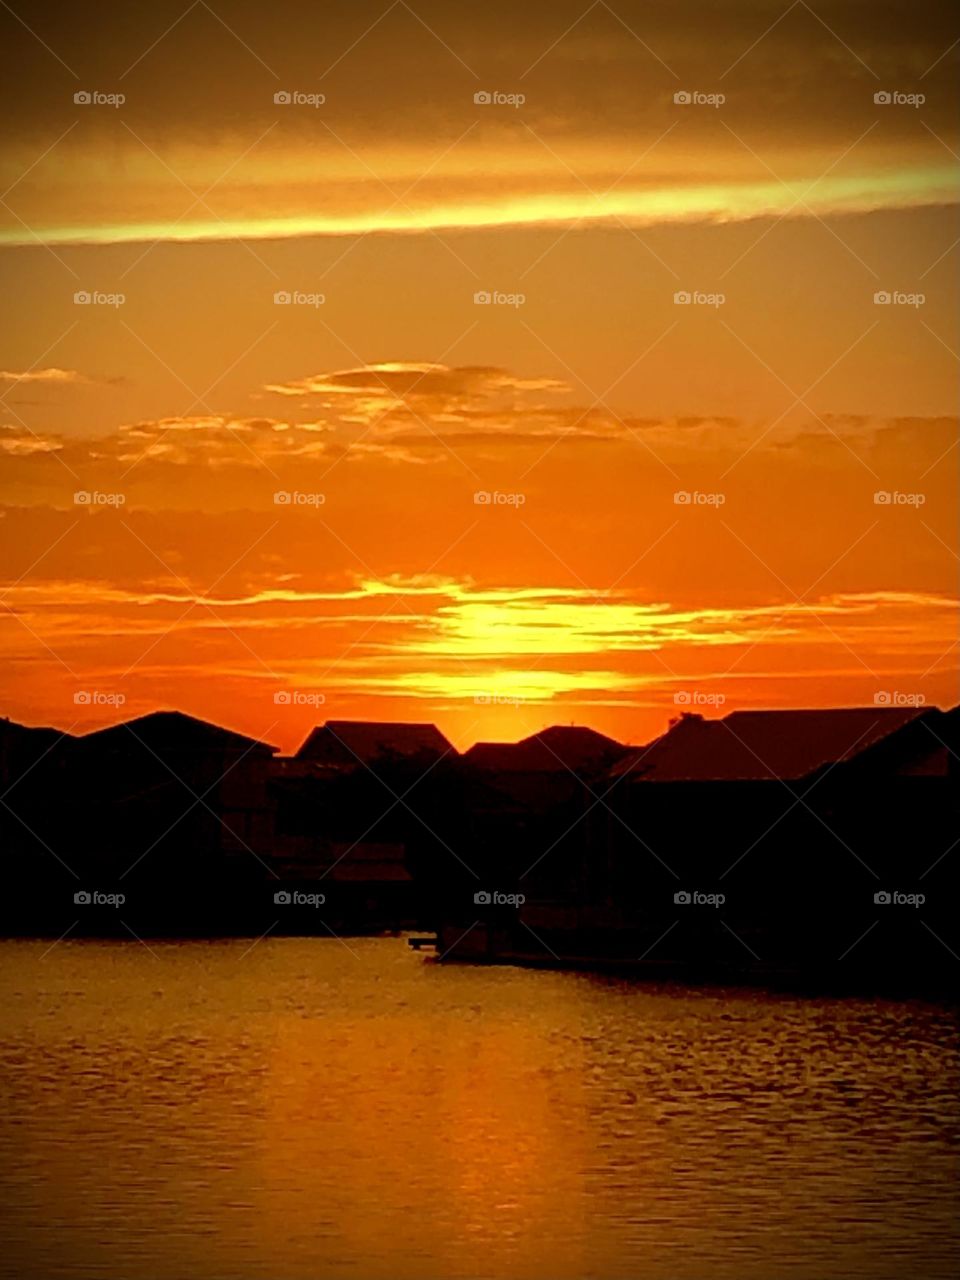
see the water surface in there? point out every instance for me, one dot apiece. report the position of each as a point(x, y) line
point(317, 1108)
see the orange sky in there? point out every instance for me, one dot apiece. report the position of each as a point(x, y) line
point(586, 399)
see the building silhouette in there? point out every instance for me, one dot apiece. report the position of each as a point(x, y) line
point(752, 844)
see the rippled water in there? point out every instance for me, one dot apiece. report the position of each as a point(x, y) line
point(313, 1108)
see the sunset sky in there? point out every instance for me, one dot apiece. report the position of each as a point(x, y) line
point(684, 509)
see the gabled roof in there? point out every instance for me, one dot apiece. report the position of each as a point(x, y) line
point(574, 744)
point(559, 748)
point(928, 746)
point(30, 735)
point(363, 741)
point(22, 745)
point(757, 745)
point(495, 755)
point(164, 731)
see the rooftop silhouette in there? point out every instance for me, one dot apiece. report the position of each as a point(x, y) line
point(762, 744)
point(564, 847)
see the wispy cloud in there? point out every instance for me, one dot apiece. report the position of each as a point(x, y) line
point(44, 375)
point(446, 639)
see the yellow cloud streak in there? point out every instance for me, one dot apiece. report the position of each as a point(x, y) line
point(637, 206)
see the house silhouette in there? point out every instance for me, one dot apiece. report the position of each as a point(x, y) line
point(796, 817)
point(753, 745)
point(363, 742)
point(560, 747)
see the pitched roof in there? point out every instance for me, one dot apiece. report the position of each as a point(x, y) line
point(22, 745)
point(561, 747)
point(756, 745)
point(162, 731)
point(30, 735)
point(926, 746)
point(363, 741)
point(495, 755)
